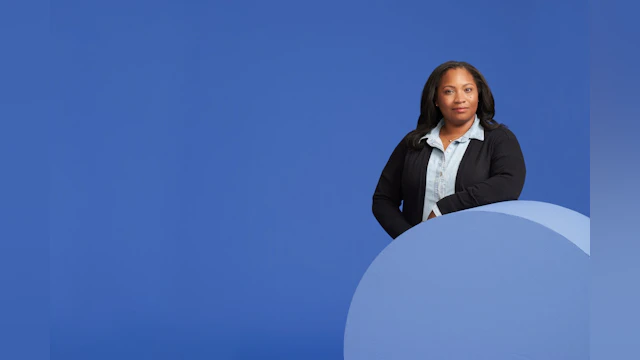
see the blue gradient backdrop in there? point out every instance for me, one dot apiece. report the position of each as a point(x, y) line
point(615, 176)
point(25, 111)
point(211, 165)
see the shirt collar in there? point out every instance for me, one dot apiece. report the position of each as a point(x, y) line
point(475, 132)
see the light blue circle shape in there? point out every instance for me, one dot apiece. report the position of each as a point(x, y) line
point(568, 223)
point(479, 284)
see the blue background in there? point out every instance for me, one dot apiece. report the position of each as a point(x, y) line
point(615, 245)
point(209, 167)
point(213, 165)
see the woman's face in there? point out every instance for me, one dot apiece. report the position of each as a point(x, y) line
point(457, 96)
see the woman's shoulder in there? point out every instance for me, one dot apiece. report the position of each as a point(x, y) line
point(404, 141)
point(500, 133)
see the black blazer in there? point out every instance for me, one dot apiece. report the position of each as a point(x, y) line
point(490, 171)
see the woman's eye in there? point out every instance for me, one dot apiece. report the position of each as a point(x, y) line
point(468, 89)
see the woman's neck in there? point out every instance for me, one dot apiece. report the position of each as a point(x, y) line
point(456, 130)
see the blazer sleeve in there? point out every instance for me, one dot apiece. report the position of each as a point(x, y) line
point(506, 180)
point(388, 196)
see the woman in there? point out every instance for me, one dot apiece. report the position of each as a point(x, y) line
point(458, 157)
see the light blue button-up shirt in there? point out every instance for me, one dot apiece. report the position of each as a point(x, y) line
point(443, 165)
